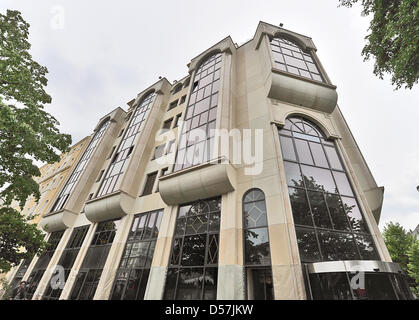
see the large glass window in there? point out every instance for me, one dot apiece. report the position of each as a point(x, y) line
point(329, 223)
point(193, 265)
point(67, 259)
point(375, 286)
point(289, 57)
point(78, 171)
point(91, 270)
point(197, 139)
point(42, 263)
point(119, 163)
point(257, 256)
point(134, 269)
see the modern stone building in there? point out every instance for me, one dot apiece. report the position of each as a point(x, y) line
point(50, 183)
point(242, 180)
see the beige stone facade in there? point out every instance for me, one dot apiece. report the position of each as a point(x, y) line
point(127, 176)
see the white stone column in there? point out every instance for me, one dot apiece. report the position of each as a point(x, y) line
point(230, 285)
point(114, 257)
point(158, 270)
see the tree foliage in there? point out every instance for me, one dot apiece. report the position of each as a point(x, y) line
point(404, 250)
point(27, 133)
point(413, 265)
point(398, 242)
point(393, 39)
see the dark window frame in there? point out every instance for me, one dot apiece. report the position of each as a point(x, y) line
point(209, 235)
point(173, 104)
point(147, 192)
point(133, 239)
point(249, 267)
point(283, 48)
point(167, 125)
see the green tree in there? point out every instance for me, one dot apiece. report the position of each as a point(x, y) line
point(398, 241)
point(393, 39)
point(27, 133)
point(413, 265)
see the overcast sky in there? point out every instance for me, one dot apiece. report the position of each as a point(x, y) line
point(101, 54)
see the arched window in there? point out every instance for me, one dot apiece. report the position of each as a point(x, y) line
point(116, 169)
point(196, 143)
point(193, 265)
point(289, 57)
point(328, 220)
point(257, 257)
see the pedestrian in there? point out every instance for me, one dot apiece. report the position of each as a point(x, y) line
point(19, 293)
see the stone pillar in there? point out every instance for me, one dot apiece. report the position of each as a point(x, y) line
point(158, 271)
point(112, 261)
point(230, 284)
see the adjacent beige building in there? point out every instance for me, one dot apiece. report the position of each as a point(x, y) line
point(241, 180)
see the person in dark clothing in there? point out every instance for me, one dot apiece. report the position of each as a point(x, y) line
point(19, 293)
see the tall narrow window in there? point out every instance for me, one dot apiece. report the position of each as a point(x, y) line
point(328, 220)
point(42, 263)
point(159, 151)
point(149, 184)
point(193, 266)
point(91, 270)
point(257, 257)
point(173, 105)
point(197, 139)
point(134, 269)
point(289, 57)
point(170, 146)
point(81, 165)
point(116, 169)
point(167, 125)
point(67, 259)
point(177, 120)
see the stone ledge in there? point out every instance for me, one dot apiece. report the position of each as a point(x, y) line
point(302, 92)
point(198, 182)
point(112, 206)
